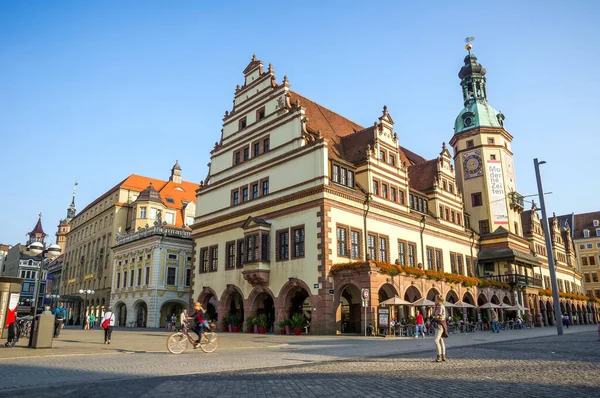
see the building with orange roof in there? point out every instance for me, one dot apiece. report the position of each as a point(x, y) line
point(134, 205)
point(304, 209)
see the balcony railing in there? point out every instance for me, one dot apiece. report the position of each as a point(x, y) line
point(159, 230)
point(517, 201)
point(517, 280)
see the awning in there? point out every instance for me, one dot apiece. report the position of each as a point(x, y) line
point(506, 253)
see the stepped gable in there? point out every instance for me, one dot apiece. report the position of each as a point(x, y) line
point(422, 175)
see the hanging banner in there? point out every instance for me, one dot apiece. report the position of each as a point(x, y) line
point(497, 192)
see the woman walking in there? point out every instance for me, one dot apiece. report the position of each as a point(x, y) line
point(108, 321)
point(441, 331)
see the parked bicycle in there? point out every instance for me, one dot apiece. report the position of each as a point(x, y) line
point(178, 342)
point(20, 328)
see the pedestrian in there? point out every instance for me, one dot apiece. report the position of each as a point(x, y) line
point(495, 325)
point(174, 322)
point(565, 320)
point(420, 327)
point(60, 314)
point(182, 319)
point(108, 322)
point(92, 321)
point(168, 323)
point(441, 329)
point(87, 323)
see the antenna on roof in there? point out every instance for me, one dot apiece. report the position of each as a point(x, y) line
point(468, 40)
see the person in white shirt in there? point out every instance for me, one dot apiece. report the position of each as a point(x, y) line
point(110, 316)
point(183, 318)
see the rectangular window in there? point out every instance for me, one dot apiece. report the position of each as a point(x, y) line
point(237, 157)
point(235, 197)
point(447, 212)
point(382, 156)
point(336, 173)
point(383, 250)
point(429, 252)
point(350, 179)
point(240, 253)
point(439, 260)
point(392, 160)
point(256, 149)
point(266, 145)
point(254, 191)
point(246, 154)
point(242, 123)
point(470, 144)
point(592, 260)
point(283, 239)
point(142, 212)
point(459, 264)
point(188, 277)
point(584, 261)
point(251, 248)
point(170, 218)
point(153, 213)
point(343, 176)
point(131, 276)
point(139, 277)
point(204, 259)
point(412, 255)
point(265, 188)
point(484, 227)
point(490, 141)
point(453, 263)
point(119, 280)
point(298, 242)
point(171, 273)
point(375, 188)
point(214, 251)
point(458, 219)
point(230, 263)
point(147, 275)
point(595, 277)
point(342, 242)
point(393, 194)
point(189, 220)
point(384, 191)
point(260, 113)
point(402, 253)
point(244, 194)
point(355, 244)
point(264, 248)
point(401, 196)
point(476, 199)
point(372, 250)
point(587, 277)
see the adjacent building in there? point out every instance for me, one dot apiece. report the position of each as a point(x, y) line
point(586, 236)
point(88, 260)
point(152, 263)
point(302, 208)
point(3, 254)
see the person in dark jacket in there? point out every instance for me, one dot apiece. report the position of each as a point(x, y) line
point(200, 322)
point(60, 314)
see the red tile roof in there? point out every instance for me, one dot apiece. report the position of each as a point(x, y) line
point(422, 175)
point(585, 221)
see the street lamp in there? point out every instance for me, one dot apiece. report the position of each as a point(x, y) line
point(50, 252)
point(551, 264)
point(86, 292)
point(52, 297)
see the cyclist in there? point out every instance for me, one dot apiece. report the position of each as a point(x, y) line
point(200, 320)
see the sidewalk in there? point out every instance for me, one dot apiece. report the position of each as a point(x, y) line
point(74, 341)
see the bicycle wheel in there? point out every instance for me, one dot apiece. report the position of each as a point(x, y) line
point(177, 343)
point(209, 342)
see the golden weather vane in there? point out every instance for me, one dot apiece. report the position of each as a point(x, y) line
point(468, 40)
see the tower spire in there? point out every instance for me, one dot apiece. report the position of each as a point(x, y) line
point(71, 210)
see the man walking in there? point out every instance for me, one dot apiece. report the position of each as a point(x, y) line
point(60, 313)
point(420, 328)
point(495, 325)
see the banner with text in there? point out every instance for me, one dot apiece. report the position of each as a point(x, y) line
point(497, 192)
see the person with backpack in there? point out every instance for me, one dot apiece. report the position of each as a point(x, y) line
point(60, 313)
point(108, 321)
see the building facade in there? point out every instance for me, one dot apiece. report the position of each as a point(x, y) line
point(302, 208)
point(152, 264)
point(587, 243)
point(88, 260)
point(3, 254)
point(19, 263)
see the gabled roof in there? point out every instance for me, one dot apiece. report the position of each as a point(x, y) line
point(422, 175)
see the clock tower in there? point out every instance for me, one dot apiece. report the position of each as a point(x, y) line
point(483, 157)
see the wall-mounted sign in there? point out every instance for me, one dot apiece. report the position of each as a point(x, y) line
point(497, 192)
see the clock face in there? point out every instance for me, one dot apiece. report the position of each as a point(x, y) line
point(472, 164)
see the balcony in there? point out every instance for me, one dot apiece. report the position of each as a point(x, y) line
point(517, 201)
point(517, 280)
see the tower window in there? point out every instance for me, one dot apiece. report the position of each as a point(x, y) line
point(470, 144)
point(476, 199)
point(484, 227)
point(492, 157)
point(490, 141)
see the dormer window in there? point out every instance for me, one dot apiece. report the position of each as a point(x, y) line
point(342, 176)
point(586, 233)
point(597, 231)
point(242, 123)
point(596, 223)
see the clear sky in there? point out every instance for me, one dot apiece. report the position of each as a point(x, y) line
point(92, 91)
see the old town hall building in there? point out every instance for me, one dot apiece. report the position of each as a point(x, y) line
point(302, 208)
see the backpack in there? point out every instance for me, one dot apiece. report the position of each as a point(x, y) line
point(60, 315)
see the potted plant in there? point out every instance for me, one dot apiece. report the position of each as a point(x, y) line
point(282, 326)
point(235, 322)
point(250, 324)
point(297, 323)
point(262, 323)
point(226, 327)
point(288, 326)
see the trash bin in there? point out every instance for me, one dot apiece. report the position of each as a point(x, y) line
point(43, 333)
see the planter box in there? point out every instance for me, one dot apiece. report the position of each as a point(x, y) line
point(262, 330)
point(282, 331)
point(236, 329)
point(297, 332)
point(250, 330)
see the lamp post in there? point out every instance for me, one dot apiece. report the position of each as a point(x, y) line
point(50, 252)
point(86, 292)
point(551, 264)
point(52, 297)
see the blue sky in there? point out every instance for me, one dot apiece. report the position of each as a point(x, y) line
point(94, 91)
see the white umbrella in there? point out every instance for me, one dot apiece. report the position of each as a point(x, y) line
point(509, 307)
point(423, 303)
point(519, 307)
point(489, 305)
point(395, 301)
point(448, 304)
point(462, 304)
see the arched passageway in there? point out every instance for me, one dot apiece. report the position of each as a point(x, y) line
point(140, 309)
point(169, 309)
point(349, 307)
point(121, 314)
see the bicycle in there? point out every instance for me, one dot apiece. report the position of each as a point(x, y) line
point(178, 341)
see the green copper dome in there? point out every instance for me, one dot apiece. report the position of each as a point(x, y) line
point(477, 112)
